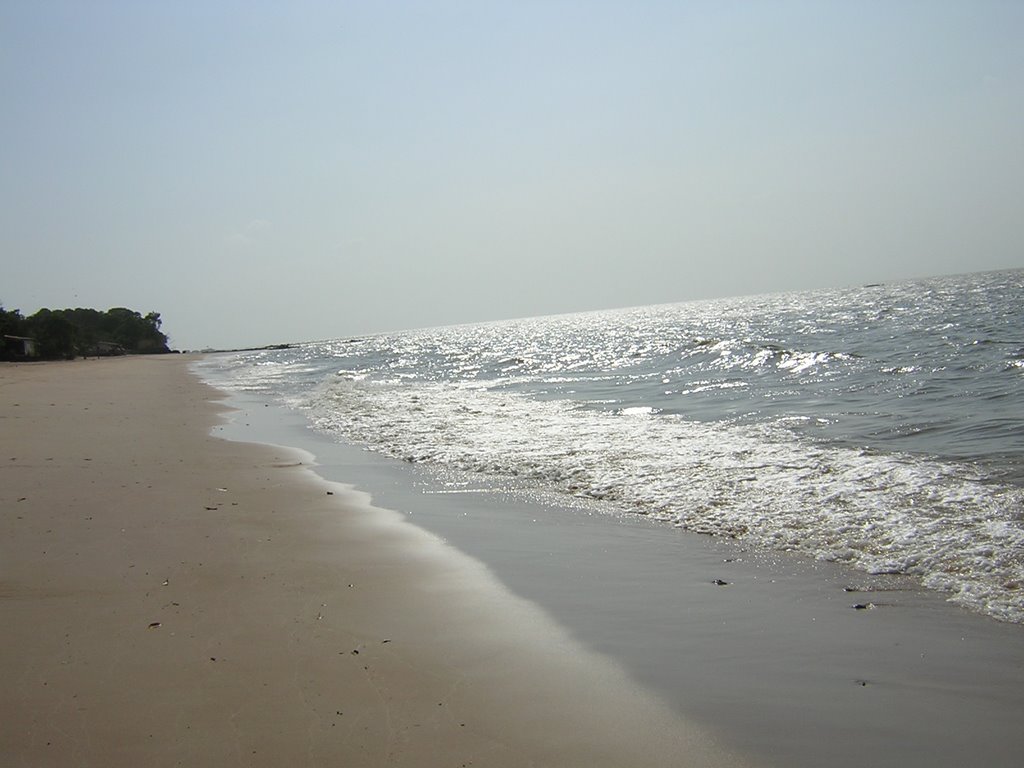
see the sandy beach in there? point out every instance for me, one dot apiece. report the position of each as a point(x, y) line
point(170, 598)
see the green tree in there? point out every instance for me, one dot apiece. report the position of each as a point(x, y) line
point(153, 340)
point(135, 332)
point(11, 322)
point(69, 332)
point(87, 323)
point(53, 332)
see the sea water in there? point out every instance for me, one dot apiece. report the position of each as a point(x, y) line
point(879, 426)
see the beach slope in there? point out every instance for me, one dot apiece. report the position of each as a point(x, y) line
point(169, 598)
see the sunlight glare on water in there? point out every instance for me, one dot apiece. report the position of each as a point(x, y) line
point(876, 426)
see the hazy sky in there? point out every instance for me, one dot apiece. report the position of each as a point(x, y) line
point(268, 172)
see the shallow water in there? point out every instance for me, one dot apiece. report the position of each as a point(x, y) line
point(878, 427)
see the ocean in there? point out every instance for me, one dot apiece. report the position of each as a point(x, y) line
point(880, 427)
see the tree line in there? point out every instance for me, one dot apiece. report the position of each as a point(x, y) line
point(68, 333)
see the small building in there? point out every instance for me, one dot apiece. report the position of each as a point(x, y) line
point(19, 348)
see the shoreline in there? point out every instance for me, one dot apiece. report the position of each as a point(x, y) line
point(778, 662)
point(170, 598)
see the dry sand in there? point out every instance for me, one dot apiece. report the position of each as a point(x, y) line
point(169, 598)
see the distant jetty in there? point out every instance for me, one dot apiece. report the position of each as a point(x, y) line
point(212, 351)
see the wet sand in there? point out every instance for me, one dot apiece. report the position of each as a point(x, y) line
point(170, 598)
point(768, 651)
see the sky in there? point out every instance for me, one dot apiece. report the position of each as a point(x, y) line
point(268, 172)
